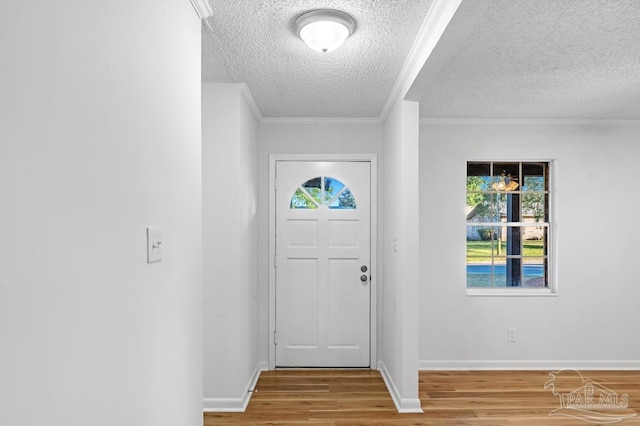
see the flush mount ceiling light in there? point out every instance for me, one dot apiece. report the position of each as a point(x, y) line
point(324, 30)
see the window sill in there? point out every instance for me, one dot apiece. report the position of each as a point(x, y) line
point(512, 292)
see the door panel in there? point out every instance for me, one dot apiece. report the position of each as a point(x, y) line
point(342, 317)
point(322, 241)
point(302, 302)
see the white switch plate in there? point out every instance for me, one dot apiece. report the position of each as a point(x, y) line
point(154, 245)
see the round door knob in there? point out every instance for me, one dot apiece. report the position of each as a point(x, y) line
point(363, 278)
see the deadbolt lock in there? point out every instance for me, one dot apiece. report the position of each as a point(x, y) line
point(363, 268)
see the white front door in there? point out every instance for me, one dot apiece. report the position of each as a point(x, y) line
point(322, 264)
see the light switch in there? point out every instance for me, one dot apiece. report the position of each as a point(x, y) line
point(154, 245)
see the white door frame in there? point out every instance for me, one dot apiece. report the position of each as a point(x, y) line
point(371, 158)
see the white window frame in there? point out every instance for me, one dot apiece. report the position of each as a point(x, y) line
point(552, 288)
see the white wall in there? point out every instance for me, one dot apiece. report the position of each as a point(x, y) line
point(230, 246)
point(99, 138)
point(594, 320)
point(399, 294)
point(297, 137)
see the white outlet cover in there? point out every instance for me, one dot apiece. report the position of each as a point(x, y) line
point(154, 245)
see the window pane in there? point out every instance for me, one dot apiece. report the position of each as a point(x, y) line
point(477, 202)
point(499, 271)
point(314, 188)
point(478, 182)
point(331, 188)
point(534, 207)
point(512, 207)
point(481, 169)
point(344, 201)
point(533, 271)
point(512, 241)
point(535, 241)
point(503, 205)
point(478, 251)
point(506, 272)
point(513, 272)
point(495, 208)
point(482, 237)
point(492, 209)
point(534, 177)
point(533, 183)
point(478, 179)
point(482, 211)
point(301, 200)
point(479, 275)
point(505, 177)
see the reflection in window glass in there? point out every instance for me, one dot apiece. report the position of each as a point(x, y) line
point(326, 191)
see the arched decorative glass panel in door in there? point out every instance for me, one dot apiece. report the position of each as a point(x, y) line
point(323, 190)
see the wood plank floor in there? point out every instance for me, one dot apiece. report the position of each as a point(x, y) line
point(359, 397)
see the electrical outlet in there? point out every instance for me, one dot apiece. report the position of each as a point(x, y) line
point(511, 334)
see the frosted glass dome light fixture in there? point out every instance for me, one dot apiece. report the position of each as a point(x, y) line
point(324, 30)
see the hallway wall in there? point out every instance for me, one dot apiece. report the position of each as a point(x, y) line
point(99, 139)
point(230, 246)
point(399, 248)
point(590, 323)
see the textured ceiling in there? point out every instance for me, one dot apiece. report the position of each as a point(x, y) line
point(548, 59)
point(253, 42)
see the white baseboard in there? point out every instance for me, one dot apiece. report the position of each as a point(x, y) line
point(403, 405)
point(528, 365)
point(234, 405)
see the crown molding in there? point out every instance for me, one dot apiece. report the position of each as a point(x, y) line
point(250, 100)
point(528, 122)
point(341, 121)
point(203, 8)
point(440, 14)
